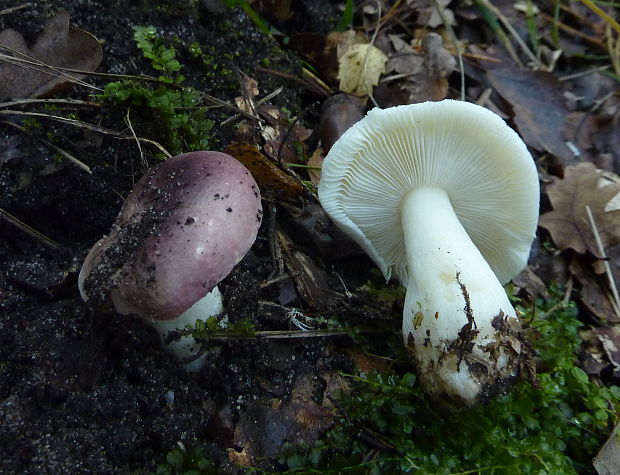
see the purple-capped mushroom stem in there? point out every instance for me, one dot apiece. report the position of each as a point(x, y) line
point(444, 195)
point(182, 229)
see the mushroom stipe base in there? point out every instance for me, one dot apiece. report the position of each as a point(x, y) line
point(511, 344)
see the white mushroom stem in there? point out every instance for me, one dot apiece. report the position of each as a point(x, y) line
point(449, 283)
point(189, 351)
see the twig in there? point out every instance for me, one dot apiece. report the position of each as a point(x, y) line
point(599, 244)
point(600, 12)
point(128, 122)
point(51, 146)
point(86, 125)
point(367, 56)
point(72, 102)
point(513, 33)
point(40, 66)
point(28, 229)
point(314, 85)
point(581, 74)
point(274, 334)
point(455, 42)
point(14, 9)
point(259, 102)
point(275, 280)
point(564, 302)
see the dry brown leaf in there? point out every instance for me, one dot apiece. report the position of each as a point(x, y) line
point(528, 280)
point(283, 142)
point(241, 459)
point(594, 294)
point(425, 82)
point(608, 459)
point(271, 180)
point(310, 280)
point(610, 340)
point(539, 107)
point(359, 69)
point(315, 162)
point(58, 45)
point(568, 223)
point(405, 59)
point(266, 426)
point(428, 13)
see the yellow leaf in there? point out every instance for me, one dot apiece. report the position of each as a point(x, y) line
point(359, 69)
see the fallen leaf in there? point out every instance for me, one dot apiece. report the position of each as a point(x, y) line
point(284, 142)
point(592, 358)
point(426, 81)
point(265, 427)
point(310, 227)
point(610, 340)
point(249, 91)
point(58, 46)
point(608, 459)
point(315, 162)
point(335, 385)
point(310, 280)
point(539, 108)
point(528, 280)
point(428, 13)
point(241, 458)
point(594, 294)
point(568, 222)
point(359, 69)
point(405, 59)
point(271, 179)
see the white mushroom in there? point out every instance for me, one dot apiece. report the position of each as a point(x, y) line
point(443, 195)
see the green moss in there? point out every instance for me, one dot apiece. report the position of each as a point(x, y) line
point(556, 428)
point(171, 112)
point(187, 462)
point(387, 425)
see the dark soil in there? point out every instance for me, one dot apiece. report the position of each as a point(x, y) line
point(82, 392)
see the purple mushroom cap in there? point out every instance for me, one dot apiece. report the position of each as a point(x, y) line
point(182, 229)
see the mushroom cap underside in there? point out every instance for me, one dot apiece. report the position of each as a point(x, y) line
point(465, 149)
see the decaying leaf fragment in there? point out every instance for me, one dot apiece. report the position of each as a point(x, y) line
point(568, 222)
point(359, 69)
point(429, 15)
point(58, 46)
point(425, 73)
point(310, 280)
point(537, 98)
point(271, 179)
point(608, 459)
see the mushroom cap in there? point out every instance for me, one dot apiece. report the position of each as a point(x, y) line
point(181, 230)
point(467, 150)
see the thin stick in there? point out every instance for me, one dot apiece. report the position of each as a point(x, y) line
point(128, 122)
point(28, 229)
point(367, 56)
point(601, 250)
point(86, 125)
point(14, 9)
point(40, 66)
point(51, 146)
point(274, 334)
point(72, 102)
point(512, 32)
point(455, 42)
point(600, 12)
